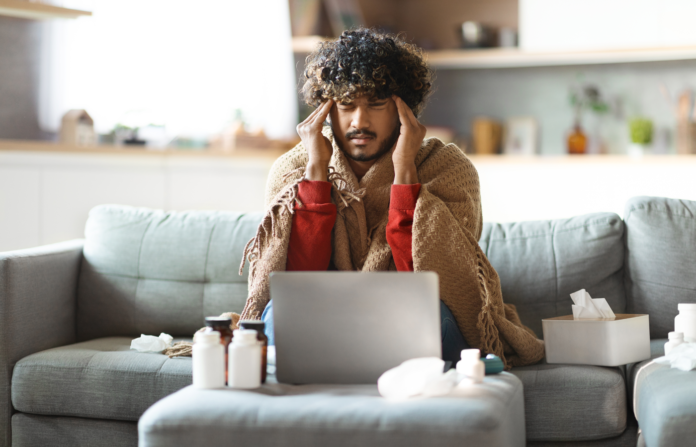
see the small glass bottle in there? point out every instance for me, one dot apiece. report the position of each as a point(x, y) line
point(222, 326)
point(259, 327)
point(208, 357)
point(577, 141)
point(244, 362)
point(675, 339)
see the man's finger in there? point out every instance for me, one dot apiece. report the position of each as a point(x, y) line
point(315, 112)
point(405, 113)
point(322, 112)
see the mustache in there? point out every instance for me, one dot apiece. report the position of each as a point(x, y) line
point(356, 132)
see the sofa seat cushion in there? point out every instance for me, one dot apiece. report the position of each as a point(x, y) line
point(100, 378)
point(489, 414)
point(665, 405)
point(573, 402)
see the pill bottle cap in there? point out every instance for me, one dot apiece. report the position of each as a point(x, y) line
point(256, 325)
point(686, 306)
point(217, 321)
point(676, 336)
point(471, 355)
point(244, 336)
point(208, 337)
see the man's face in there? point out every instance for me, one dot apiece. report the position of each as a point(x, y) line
point(365, 129)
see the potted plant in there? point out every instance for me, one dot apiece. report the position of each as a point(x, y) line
point(641, 132)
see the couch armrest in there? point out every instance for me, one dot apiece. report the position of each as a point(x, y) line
point(37, 309)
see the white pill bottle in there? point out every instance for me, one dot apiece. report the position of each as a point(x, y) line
point(685, 322)
point(208, 361)
point(244, 369)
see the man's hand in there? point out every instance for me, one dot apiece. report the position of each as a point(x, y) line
point(407, 146)
point(317, 145)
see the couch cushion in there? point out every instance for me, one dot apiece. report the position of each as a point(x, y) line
point(101, 379)
point(541, 263)
point(660, 259)
point(490, 414)
point(573, 402)
point(147, 271)
point(665, 405)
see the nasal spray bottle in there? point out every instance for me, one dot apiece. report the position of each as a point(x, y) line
point(470, 367)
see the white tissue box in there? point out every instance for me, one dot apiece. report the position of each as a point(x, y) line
point(600, 341)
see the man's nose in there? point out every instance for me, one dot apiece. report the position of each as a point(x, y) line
point(360, 118)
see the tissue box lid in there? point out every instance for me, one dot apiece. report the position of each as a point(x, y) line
point(599, 341)
point(619, 317)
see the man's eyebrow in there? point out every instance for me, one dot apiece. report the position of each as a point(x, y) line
point(375, 101)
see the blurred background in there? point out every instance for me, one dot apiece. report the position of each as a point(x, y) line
point(565, 107)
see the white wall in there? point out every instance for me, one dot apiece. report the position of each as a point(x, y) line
point(45, 197)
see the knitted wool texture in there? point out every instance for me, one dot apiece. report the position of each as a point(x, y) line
point(446, 228)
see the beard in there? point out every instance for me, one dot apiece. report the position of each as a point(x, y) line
point(384, 147)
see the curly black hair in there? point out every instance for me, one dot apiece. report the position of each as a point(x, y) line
point(364, 61)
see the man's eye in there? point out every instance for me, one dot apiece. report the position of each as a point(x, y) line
point(378, 104)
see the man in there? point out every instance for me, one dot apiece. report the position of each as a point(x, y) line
point(368, 193)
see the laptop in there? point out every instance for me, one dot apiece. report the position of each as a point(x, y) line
point(350, 327)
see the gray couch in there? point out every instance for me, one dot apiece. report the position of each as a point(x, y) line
point(68, 312)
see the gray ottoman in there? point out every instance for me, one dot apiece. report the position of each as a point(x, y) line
point(665, 406)
point(490, 414)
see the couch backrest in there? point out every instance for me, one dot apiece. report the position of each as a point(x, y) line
point(149, 271)
point(541, 263)
point(660, 259)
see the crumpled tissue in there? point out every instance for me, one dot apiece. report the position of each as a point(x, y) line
point(417, 377)
point(586, 307)
point(150, 343)
point(682, 357)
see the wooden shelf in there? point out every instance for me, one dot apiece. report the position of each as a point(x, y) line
point(38, 11)
point(511, 58)
point(514, 57)
point(307, 44)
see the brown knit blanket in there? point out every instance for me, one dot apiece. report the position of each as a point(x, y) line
point(446, 228)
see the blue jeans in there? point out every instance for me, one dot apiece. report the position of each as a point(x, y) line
point(452, 339)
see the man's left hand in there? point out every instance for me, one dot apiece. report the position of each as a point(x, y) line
point(407, 146)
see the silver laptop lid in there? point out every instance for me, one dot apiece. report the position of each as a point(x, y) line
point(350, 327)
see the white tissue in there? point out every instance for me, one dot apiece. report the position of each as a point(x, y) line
point(586, 307)
point(417, 377)
point(150, 343)
point(681, 357)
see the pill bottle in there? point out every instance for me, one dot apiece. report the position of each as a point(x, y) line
point(259, 327)
point(471, 365)
point(244, 360)
point(686, 321)
point(208, 361)
point(222, 325)
point(675, 339)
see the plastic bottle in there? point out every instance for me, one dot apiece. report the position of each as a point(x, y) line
point(208, 361)
point(686, 321)
point(675, 339)
point(259, 327)
point(245, 360)
point(471, 366)
point(222, 326)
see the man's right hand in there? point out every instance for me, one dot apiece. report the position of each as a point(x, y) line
point(317, 145)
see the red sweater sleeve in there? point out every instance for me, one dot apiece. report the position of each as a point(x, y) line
point(399, 228)
point(310, 237)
